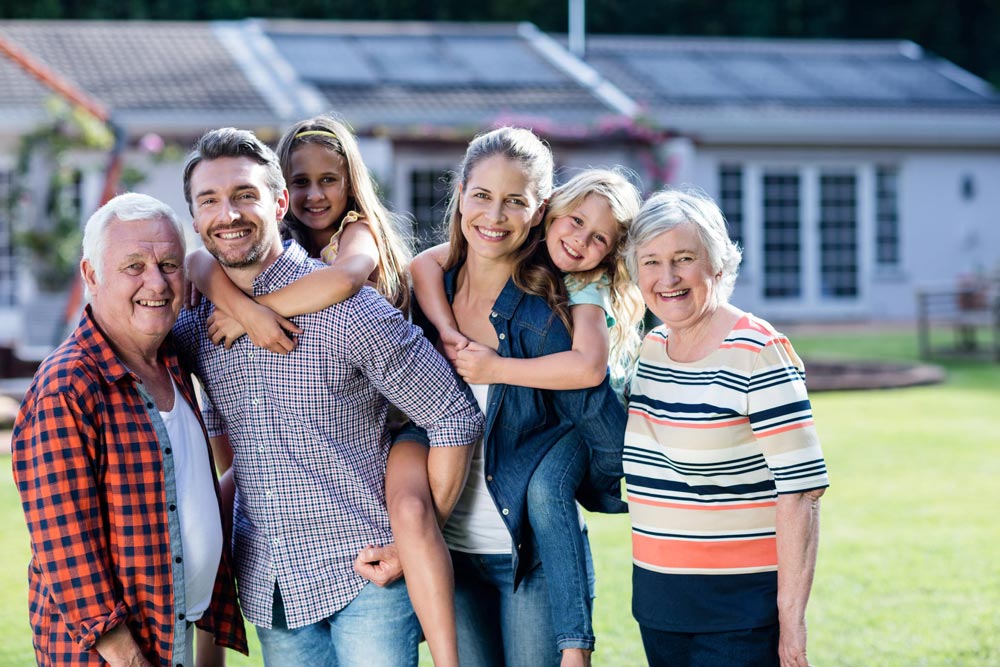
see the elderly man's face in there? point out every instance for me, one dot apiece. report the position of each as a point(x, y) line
point(138, 297)
point(235, 212)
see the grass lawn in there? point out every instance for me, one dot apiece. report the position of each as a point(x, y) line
point(908, 573)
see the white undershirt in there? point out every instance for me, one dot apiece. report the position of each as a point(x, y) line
point(475, 525)
point(197, 506)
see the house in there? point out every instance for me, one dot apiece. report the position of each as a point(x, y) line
point(853, 172)
point(160, 82)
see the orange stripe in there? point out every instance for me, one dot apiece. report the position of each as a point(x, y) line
point(661, 420)
point(790, 427)
point(713, 554)
point(679, 506)
point(741, 346)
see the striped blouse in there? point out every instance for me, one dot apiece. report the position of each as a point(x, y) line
point(710, 444)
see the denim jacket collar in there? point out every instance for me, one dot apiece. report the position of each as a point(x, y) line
point(504, 306)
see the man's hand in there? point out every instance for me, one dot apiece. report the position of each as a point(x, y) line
point(119, 649)
point(379, 565)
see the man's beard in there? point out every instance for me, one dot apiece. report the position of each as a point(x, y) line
point(253, 255)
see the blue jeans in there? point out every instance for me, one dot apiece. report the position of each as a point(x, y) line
point(756, 647)
point(377, 628)
point(498, 627)
point(562, 547)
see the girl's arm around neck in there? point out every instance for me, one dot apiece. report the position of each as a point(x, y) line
point(356, 259)
point(582, 367)
point(427, 272)
point(236, 313)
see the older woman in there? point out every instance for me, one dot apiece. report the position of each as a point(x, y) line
point(723, 465)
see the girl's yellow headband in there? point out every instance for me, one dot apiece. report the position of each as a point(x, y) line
point(319, 133)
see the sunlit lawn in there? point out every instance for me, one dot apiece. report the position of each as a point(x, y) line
point(909, 571)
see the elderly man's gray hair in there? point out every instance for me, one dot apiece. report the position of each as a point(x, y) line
point(128, 207)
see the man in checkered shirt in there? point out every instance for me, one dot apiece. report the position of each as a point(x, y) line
point(114, 470)
point(307, 429)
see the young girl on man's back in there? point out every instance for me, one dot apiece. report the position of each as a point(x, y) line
point(335, 214)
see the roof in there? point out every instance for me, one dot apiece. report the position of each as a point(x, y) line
point(791, 88)
point(135, 68)
point(400, 74)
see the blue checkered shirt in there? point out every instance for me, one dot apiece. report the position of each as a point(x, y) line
point(309, 437)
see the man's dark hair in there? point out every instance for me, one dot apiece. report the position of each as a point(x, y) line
point(231, 142)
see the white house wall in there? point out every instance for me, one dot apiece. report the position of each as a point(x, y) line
point(944, 233)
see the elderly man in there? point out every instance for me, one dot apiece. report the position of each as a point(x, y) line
point(114, 468)
point(308, 428)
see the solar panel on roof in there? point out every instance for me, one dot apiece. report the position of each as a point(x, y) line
point(415, 61)
point(764, 77)
point(846, 78)
point(920, 82)
point(326, 58)
point(503, 60)
point(681, 76)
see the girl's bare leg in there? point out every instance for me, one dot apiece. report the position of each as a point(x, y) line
point(423, 554)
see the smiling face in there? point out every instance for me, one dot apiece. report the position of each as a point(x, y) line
point(676, 277)
point(319, 186)
point(498, 208)
point(235, 212)
point(581, 239)
point(140, 292)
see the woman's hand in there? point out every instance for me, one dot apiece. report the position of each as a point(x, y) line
point(478, 364)
point(792, 643)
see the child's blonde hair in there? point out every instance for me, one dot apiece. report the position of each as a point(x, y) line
point(394, 248)
point(627, 305)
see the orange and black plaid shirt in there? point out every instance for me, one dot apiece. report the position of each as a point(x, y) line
point(90, 471)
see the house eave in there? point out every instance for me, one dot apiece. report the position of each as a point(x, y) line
point(776, 127)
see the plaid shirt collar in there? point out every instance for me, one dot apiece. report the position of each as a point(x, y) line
point(283, 270)
point(93, 341)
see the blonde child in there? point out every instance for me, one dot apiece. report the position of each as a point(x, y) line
point(335, 214)
point(585, 229)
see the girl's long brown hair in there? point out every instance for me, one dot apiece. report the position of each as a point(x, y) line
point(533, 271)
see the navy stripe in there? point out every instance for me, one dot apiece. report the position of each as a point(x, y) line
point(702, 489)
point(780, 411)
point(702, 537)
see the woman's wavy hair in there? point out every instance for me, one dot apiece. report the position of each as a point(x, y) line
point(394, 245)
point(628, 309)
point(533, 271)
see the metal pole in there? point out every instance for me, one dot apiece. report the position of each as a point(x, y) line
point(577, 28)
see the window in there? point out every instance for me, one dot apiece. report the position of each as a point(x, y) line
point(429, 192)
point(838, 235)
point(782, 235)
point(7, 260)
point(887, 216)
point(731, 201)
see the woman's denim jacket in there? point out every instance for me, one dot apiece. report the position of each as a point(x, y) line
point(522, 424)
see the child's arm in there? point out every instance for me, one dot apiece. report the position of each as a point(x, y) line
point(356, 259)
point(585, 365)
point(427, 272)
point(265, 329)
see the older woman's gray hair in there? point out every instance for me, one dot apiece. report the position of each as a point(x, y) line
point(127, 207)
point(668, 209)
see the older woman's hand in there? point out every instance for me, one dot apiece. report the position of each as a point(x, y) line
point(792, 643)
